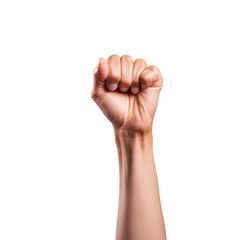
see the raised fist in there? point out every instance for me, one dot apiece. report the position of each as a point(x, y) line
point(127, 92)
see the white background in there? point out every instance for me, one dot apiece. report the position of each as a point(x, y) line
point(58, 160)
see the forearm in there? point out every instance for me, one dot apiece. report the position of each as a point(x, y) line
point(139, 214)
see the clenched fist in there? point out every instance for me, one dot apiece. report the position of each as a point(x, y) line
point(127, 92)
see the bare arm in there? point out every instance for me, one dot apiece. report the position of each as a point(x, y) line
point(127, 93)
point(139, 214)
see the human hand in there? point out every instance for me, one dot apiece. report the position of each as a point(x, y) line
point(127, 92)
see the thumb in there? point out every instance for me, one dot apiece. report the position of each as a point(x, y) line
point(99, 79)
point(101, 71)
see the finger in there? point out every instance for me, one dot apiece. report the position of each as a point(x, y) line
point(151, 77)
point(99, 78)
point(126, 73)
point(114, 74)
point(138, 66)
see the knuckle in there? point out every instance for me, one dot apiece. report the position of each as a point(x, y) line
point(153, 68)
point(113, 56)
point(126, 58)
point(140, 61)
point(157, 73)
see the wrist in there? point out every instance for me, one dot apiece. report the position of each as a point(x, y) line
point(133, 134)
point(135, 150)
point(131, 143)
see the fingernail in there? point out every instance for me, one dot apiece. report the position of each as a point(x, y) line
point(135, 90)
point(143, 85)
point(112, 86)
point(123, 89)
point(95, 70)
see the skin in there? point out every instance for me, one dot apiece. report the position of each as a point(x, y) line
point(127, 92)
